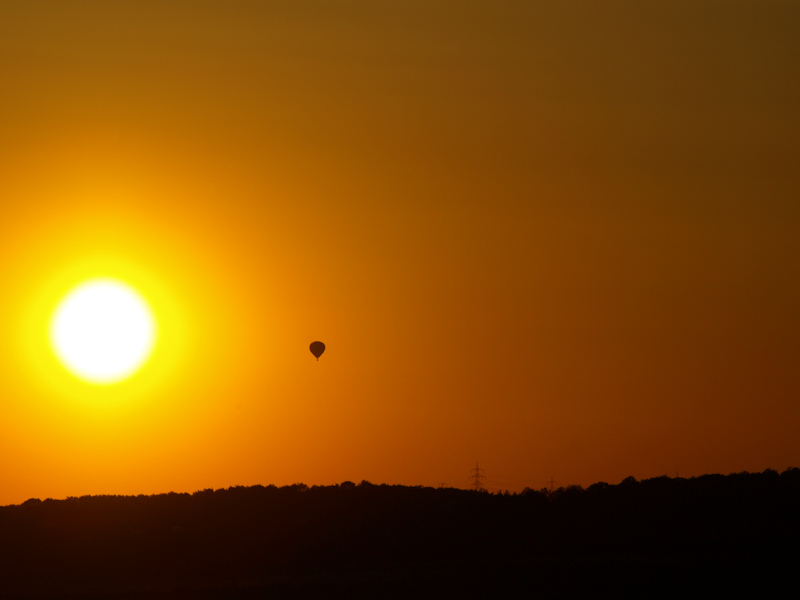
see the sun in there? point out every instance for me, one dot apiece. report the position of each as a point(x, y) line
point(103, 331)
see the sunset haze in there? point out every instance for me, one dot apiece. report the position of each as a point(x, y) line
point(558, 238)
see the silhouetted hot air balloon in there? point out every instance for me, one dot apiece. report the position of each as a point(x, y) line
point(317, 348)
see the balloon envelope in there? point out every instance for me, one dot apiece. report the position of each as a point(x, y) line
point(317, 348)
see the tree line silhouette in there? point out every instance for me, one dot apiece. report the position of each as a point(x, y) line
point(657, 537)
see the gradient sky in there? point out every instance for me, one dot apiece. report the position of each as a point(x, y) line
point(559, 238)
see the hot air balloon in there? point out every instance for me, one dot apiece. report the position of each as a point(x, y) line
point(317, 348)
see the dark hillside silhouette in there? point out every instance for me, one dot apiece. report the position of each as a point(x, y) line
point(659, 537)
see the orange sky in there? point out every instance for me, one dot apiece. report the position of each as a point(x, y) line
point(560, 238)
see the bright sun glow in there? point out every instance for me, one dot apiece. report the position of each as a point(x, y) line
point(103, 331)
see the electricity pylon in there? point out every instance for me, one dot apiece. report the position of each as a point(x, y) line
point(477, 477)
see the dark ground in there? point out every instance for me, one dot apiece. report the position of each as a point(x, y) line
point(706, 537)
